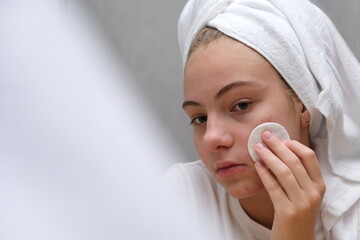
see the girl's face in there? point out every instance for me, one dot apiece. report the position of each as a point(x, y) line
point(229, 89)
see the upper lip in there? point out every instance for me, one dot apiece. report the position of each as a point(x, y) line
point(226, 164)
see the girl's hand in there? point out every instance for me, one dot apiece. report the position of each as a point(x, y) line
point(291, 174)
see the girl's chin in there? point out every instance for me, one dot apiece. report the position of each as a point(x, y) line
point(241, 191)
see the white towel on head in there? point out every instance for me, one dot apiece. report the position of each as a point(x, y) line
point(300, 41)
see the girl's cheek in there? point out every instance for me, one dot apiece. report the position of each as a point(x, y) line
point(198, 144)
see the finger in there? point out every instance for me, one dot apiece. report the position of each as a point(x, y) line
point(276, 192)
point(283, 174)
point(290, 159)
point(308, 159)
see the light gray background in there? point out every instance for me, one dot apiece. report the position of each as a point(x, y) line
point(144, 34)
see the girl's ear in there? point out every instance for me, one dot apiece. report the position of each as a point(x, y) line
point(304, 117)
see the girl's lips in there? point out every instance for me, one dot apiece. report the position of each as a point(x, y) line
point(229, 168)
point(225, 164)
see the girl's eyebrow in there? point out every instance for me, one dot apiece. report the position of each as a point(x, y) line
point(221, 92)
point(190, 103)
point(230, 86)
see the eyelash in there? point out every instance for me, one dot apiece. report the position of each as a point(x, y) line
point(241, 107)
point(193, 120)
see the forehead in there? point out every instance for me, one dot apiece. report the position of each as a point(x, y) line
point(223, 61)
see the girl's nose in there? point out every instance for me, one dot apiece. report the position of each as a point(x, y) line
point(218, 135)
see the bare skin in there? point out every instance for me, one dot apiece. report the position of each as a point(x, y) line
point(229, 89)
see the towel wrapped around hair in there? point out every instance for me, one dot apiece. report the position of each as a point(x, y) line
point(303, 45)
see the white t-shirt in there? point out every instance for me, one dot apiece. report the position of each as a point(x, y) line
point(213, 207)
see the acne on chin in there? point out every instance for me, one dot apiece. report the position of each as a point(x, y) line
point(247, 191)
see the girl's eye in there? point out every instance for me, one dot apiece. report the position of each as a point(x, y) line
point(198, 120)
point(241, 106)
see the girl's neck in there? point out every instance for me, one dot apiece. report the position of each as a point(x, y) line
point(259, 208)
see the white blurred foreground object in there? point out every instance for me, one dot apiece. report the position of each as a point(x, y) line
point(81, 156)
point(255, 137)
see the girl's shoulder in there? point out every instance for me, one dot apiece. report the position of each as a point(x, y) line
point(193, 182)
point(191, 175)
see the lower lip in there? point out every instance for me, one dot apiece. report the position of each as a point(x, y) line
point(230, 171)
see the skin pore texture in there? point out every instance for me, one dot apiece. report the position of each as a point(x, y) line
point(229, 89)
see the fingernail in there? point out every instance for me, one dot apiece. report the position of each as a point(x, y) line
point(260, 146)
point(268, 135)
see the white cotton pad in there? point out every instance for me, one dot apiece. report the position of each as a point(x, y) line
point(255, 137)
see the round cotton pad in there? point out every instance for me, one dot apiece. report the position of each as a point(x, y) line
point(255, 137)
